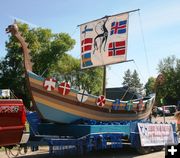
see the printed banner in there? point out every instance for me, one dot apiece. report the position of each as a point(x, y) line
point(155, 134)
point(104, 41)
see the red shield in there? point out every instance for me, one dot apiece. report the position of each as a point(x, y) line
point(49, 84)
point(101, 101)
point(64, 88)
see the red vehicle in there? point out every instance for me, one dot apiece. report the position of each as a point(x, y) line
point(12, 121)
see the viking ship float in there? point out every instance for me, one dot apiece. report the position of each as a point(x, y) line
point(103, 42)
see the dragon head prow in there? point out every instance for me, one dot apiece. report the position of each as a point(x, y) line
point(13, 29)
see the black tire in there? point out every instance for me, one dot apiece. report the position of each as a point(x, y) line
point(158, 148)
point(143, 150)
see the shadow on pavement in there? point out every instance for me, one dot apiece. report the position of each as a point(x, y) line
point(125, 152)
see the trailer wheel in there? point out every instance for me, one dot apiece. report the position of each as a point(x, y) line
point(143, 150)
point(158, 148)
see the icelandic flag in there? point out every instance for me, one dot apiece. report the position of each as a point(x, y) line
point(86, 59)
point(117, 48)
point(118, 27)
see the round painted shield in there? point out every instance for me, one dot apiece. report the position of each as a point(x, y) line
point(64, 88)
point(140, 106)
point(82, 96)
point(101, 101)
point(49, 84)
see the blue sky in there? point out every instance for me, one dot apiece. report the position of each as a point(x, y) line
point(159, 20)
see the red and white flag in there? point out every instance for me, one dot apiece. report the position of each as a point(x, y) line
point(101, 101)
point(49, 84)
point(64, 88)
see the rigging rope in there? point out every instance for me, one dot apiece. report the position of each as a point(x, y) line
point(144, 45)
point(138, 70)
point(75, 30)
point(125, 93)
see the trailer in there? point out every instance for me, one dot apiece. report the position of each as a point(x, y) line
point(88, 135)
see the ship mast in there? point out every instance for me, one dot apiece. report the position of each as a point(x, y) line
point(104, 81)
point(104, 75)
point(104, 67)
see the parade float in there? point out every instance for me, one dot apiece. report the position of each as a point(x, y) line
point(72, 121)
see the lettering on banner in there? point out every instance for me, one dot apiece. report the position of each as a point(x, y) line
point(155, 134)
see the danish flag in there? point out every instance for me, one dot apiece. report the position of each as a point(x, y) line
point(64, 88)
point(86, 44)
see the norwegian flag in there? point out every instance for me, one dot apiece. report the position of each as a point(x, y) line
point(49, 84)
point(101, 101)
point(64, 88)
point(86, 44)
point(117, 48)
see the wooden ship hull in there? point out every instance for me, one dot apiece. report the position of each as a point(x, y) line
point(67, 109)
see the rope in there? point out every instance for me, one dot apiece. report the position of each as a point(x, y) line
point(125, 93)
point(138, 70)
point(72, 34)
point(13, 95)
point(144, 45)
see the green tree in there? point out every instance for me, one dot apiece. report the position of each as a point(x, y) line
point(136, 81)
point(132, 81)
point(68, 69)
point(91, 80)
point(150, 85)
point(127, 78)
point(170, 68)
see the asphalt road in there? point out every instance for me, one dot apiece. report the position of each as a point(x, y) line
point(125, 152)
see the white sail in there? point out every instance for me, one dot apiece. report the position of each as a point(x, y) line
point(104, 41)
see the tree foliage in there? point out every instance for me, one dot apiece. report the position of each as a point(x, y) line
point(132, 80)
point(68, 69)
point(170, 68)
point(150, 85)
